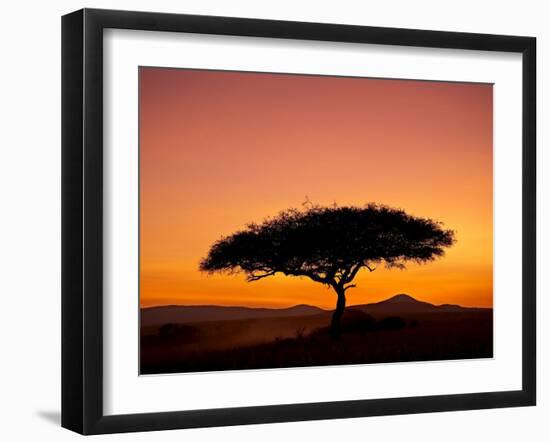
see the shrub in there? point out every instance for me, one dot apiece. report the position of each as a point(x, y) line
point(392, 323)
point(357, 321)
point(181, 333)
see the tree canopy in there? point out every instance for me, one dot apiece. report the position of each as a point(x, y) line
point(329, 245)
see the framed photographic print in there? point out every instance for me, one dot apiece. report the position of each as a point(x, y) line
point(255, 209)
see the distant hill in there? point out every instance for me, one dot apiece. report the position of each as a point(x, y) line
point(160, 315)
point(396, 305)
point(405, 304)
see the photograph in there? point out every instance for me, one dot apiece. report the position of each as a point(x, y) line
point(292, 220)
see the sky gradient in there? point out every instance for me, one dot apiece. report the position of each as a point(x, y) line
point(221, 149)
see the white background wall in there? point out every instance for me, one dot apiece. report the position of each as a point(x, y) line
point(30, 218)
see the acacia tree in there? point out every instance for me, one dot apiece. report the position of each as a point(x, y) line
point(329, 245)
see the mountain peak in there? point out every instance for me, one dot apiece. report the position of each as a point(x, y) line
point(399, 303)
point(402, 298)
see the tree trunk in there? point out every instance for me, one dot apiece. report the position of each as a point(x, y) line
point(337, 314)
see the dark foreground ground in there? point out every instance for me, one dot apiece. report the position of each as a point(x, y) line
point(299, 341)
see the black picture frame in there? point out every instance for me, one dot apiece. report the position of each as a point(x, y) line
point(82, 218)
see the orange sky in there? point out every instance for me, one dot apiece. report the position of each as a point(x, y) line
point(221, 149)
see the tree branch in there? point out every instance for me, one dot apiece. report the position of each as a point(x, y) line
point(349, 287)
point(311, 275)
point(318, 279)
point(353, 272)
point(256, 277)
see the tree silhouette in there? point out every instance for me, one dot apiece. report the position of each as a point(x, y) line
point(329, 245)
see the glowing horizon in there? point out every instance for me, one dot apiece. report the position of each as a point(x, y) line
point(221, 149)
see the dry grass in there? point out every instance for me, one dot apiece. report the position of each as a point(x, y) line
point(304, 341)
